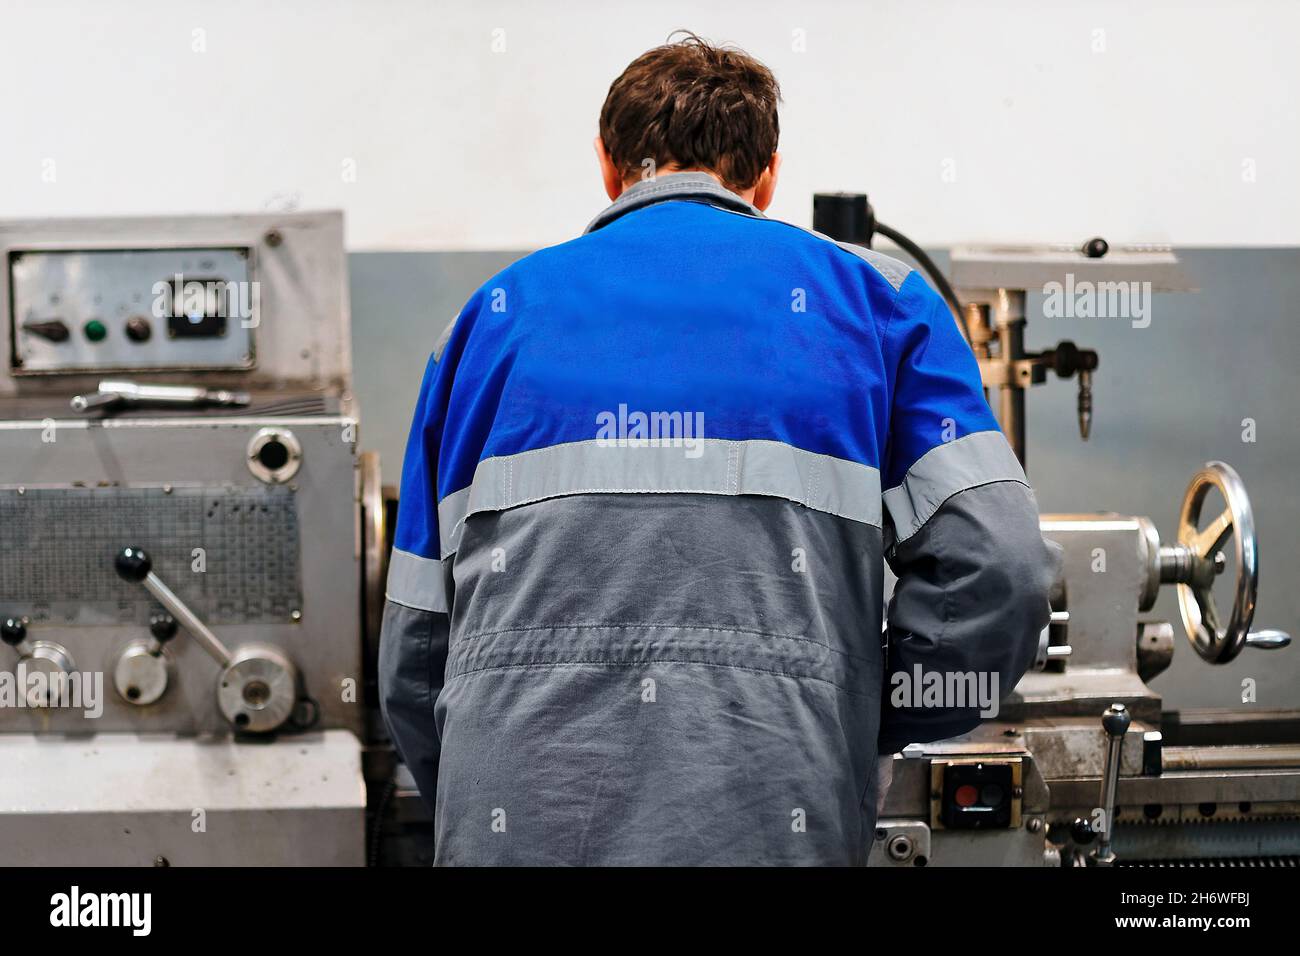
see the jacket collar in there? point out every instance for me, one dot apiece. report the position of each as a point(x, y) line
point(700, 187)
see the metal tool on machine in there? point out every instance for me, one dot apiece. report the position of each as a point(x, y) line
point(114, 395)
point(987, 296)
point(993, 285)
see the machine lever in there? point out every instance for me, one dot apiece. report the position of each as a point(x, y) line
point(112, 394)
point(1268, 640)
point(1047, 651)
point(1115, 721)
point(105, 400)
point(134, 565)
point(258, 687)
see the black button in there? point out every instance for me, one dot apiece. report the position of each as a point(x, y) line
point(138, 329)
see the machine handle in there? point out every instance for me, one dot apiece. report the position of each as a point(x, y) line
point(112, 394)
point(1115, 721)
point(1268, 640)
point(93, 400)
point(1197, 558)
point(136, 566)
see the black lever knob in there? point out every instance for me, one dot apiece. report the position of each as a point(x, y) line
point(163, 627)
point(13, 631)
point(1095, 248)
point(133, 565)
point(1115, 721)
point(1082, 831)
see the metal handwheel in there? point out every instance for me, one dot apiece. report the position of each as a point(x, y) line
point(1198, 558)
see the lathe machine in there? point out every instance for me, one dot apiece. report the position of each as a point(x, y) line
point(191, 546)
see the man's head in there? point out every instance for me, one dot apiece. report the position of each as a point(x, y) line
point(689, 105)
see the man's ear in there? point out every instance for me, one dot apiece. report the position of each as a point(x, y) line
point(766, 187)
point(610, 174)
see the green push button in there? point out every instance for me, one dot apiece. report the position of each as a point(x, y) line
point(95, 330)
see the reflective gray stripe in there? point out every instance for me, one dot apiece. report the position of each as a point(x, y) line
point(893, 271)
point(770, 468)
point(945, 470)
point(452, 512)
point(442, 339)
point(416, 582)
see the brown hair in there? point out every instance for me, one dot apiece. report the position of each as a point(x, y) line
point(691, 104)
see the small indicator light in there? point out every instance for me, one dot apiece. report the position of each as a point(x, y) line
point(95, 330)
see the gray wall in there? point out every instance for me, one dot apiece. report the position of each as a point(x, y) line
point(1166, 399)
point(401, 303)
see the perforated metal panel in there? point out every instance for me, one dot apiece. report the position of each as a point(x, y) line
point(231, 553)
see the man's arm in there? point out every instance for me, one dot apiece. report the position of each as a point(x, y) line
point(962, 533)
point(416, 626)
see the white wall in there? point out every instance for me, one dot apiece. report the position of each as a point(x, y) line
point(458, 147)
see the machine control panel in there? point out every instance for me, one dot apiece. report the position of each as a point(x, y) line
point(82, 310)
point(976, 793)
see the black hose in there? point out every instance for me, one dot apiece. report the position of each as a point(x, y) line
point(932, 270)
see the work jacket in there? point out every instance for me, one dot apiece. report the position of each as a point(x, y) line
point(634, 606)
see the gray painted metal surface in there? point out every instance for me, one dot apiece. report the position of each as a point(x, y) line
point(201, 453)
point(128, 800)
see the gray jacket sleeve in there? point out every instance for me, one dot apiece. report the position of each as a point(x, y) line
point(412, 663)
point(969, 605)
